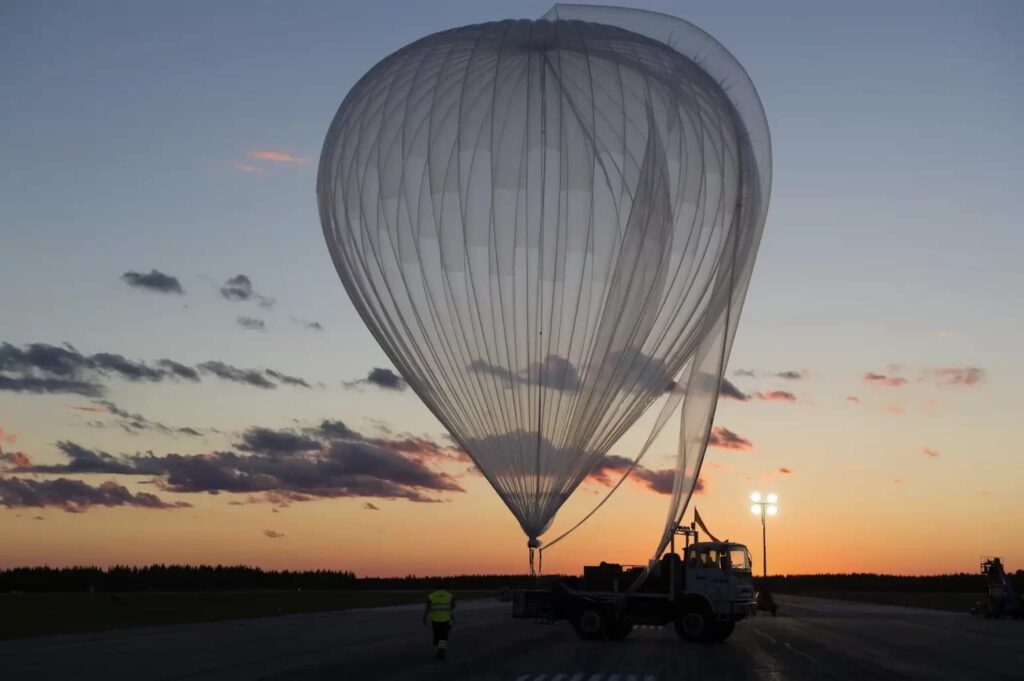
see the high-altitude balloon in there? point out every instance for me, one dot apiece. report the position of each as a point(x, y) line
point(546, 225)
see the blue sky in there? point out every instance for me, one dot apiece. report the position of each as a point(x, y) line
point(127, 140)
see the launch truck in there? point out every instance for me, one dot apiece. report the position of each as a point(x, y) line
point(703, 593)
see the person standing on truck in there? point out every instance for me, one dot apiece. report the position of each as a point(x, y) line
point(441, 611)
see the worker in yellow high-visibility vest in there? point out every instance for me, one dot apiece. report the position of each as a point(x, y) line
point(441, 611)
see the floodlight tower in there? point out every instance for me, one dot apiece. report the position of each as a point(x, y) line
point(765, 506)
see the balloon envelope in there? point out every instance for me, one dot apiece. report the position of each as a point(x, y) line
point(540, 222)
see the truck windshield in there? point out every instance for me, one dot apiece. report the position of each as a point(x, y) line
point(739, 558)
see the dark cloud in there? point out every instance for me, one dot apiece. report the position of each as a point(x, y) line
point(83, 460)
point(628, 370)
point(252, 324)
point(276, 442)
point(789, 374)
point(730, 391)
point(660, 481)
point(723, 438)
point(370, 507)
point(283, 466)
point(136, 423)
point(385, 378)
point(555, 372)
point(239, 288)
point(227, 372)
point(44, 368)
point(74, 496)
point(884, 380)
point(286, 379)
point(785, 471)
point(172, 368)
point(153, 281)
point(308, 324)
point(109, 363)
point(65, 362)
point(332, 430)
point(43, 386)
point(636, 372)
point(482, 367)
point(14, 460)
point(960, 375)
point(776, 396)
point(382, 378)
point(273, 534)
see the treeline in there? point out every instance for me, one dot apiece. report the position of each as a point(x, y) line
point(955, 583)
point(229, 578)
point(243, 578)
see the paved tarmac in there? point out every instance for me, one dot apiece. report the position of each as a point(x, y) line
point(810, 639)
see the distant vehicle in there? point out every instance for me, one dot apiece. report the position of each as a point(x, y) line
point(703, 595)
point(1003, 600)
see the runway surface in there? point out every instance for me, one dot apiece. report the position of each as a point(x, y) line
point(810, 639)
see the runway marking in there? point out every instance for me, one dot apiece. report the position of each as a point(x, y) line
point(786, 644)
point(579, 676)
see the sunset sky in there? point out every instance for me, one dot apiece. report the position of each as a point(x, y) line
point(169, 315)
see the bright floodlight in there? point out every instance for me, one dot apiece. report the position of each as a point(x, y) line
point(755, 509)
point(772, 510)
point(772, 498)
point(755, 497)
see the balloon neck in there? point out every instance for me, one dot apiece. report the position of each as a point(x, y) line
point(533, 543)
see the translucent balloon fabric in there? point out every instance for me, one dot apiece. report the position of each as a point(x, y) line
point(546, 225)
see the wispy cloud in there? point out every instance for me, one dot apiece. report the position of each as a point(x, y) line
point(273, 534)
point(960, 375)
point(788, 374)
point(884, 380)
point(893, 409)
point(277, 156)
point(154, 280)
point(785, 471)
point(933, 453)
point(729, 390)
point(777, 396)
point(252, 324)
point(852, 399)
point(370, 507)
point(14, 460)
point(9, 438)
point(723, 438)
point(309, 324)
point(247, 168)
point(239, 288)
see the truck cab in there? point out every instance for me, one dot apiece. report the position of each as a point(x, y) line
point(720, 572)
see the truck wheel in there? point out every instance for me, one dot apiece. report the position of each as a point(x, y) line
point(619, 629)
point(589, 625)
point(694, 624)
